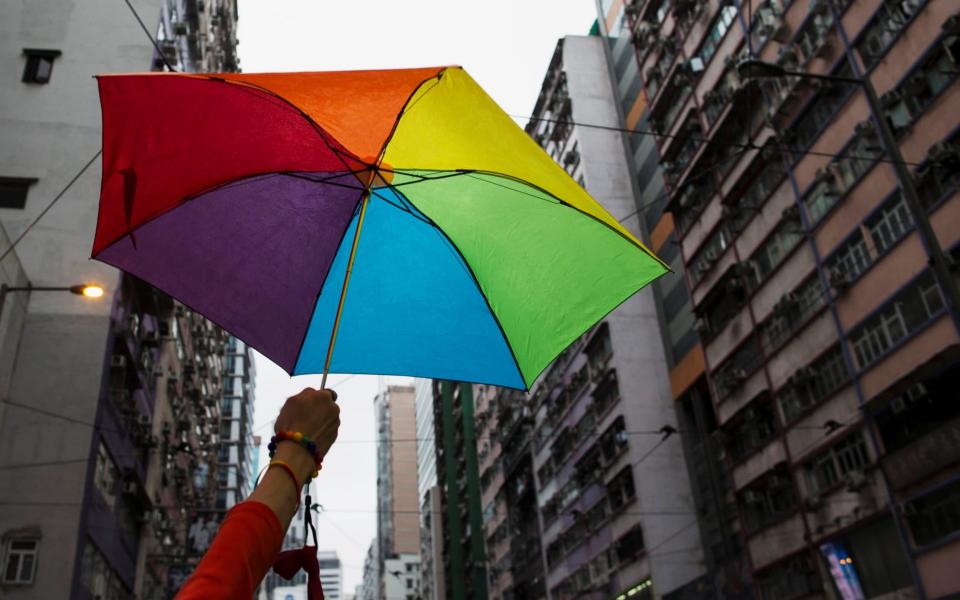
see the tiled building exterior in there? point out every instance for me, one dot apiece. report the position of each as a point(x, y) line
point(826, 345)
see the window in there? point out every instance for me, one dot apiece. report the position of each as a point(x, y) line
point(613, 441)
point(909, 310)
point(39, 65)
point(722, 303)
point(889, 224)
point(606, 394)
point(768, 500)
point(922, 408)
point(772, 252)
point(712, 39)
point(821, 110)
point(750, 430)
point(745, 360)
point(797, 576)
point(629, 546)
point(810, 385)
point(876, 235)
point(105, 476)
point(709, 253)
point(768, 22)
point(600, 349)
point(792, 311)
point(822, 197)
point(918, 90)
point(99, 578)
point(620, 490)
point(20, 561)
point(13, 191)
point(857, 158)
point(936, 515)
point(832, 465)
point(889, 21)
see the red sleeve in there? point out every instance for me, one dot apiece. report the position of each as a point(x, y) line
point(243, 551)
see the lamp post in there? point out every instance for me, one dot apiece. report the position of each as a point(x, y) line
point(87, 290)
point(757, 69)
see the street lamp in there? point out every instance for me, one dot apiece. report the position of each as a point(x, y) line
point(87, 290)
point(757, 69)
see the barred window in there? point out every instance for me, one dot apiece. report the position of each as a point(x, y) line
point(890, 223)
point(620, 490)
point(810, 385)
point(909, 310)
point(936, 515)
point(792, 311)
point(829, 467)
point(774, 250)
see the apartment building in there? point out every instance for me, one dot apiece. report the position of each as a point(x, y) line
point(432, 583)
point(709, 479)
point(461, 533)
point(511, 520)
point(826, 341)
point(111, 410)
point(398, 519)
point(235, 468)
point(614, 497)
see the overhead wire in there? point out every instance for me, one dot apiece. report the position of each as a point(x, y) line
point(722, 144)
point(156, 46)
point(56, 199)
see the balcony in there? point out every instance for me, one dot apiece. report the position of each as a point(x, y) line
point(924, 457)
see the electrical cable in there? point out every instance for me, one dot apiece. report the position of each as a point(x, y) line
point(709, 141)
point(52, 202)
point(156, 46)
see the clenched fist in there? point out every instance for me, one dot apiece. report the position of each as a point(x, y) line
point(315, 414)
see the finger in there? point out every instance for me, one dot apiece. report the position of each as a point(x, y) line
point(333, 393)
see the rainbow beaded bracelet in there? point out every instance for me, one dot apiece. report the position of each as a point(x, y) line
point(297, 438)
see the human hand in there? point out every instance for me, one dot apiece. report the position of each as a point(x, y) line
point(315, 414)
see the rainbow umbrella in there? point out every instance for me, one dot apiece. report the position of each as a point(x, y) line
point(394, 222)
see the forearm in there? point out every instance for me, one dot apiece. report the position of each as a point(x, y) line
point(276, 489)
point(243, 551)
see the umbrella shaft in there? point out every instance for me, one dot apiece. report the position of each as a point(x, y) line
point(343, 290)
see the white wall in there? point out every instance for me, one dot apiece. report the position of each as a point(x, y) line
point(49, 132)
point(661, 478)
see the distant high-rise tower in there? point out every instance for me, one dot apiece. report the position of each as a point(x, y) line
point(331, 574)
point(235, 469)
point(398, 527)
point(432, 582)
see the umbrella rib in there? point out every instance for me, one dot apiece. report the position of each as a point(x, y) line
point(327, 181)
point(365, 200)
point(335, 148)
point(473, 276)
point(581, 211)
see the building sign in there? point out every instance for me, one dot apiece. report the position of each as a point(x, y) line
point(641, 591)
point(842, 569)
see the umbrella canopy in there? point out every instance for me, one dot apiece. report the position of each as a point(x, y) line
point(400, 213)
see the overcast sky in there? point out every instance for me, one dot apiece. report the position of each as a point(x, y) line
point(506, 46)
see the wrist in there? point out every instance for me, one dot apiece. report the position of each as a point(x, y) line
point(297, 457)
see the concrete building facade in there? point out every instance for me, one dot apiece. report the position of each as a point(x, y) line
point(615, 501)
point(111, 408)
point(432, 583)
point(826, 344)
point(728, 570)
